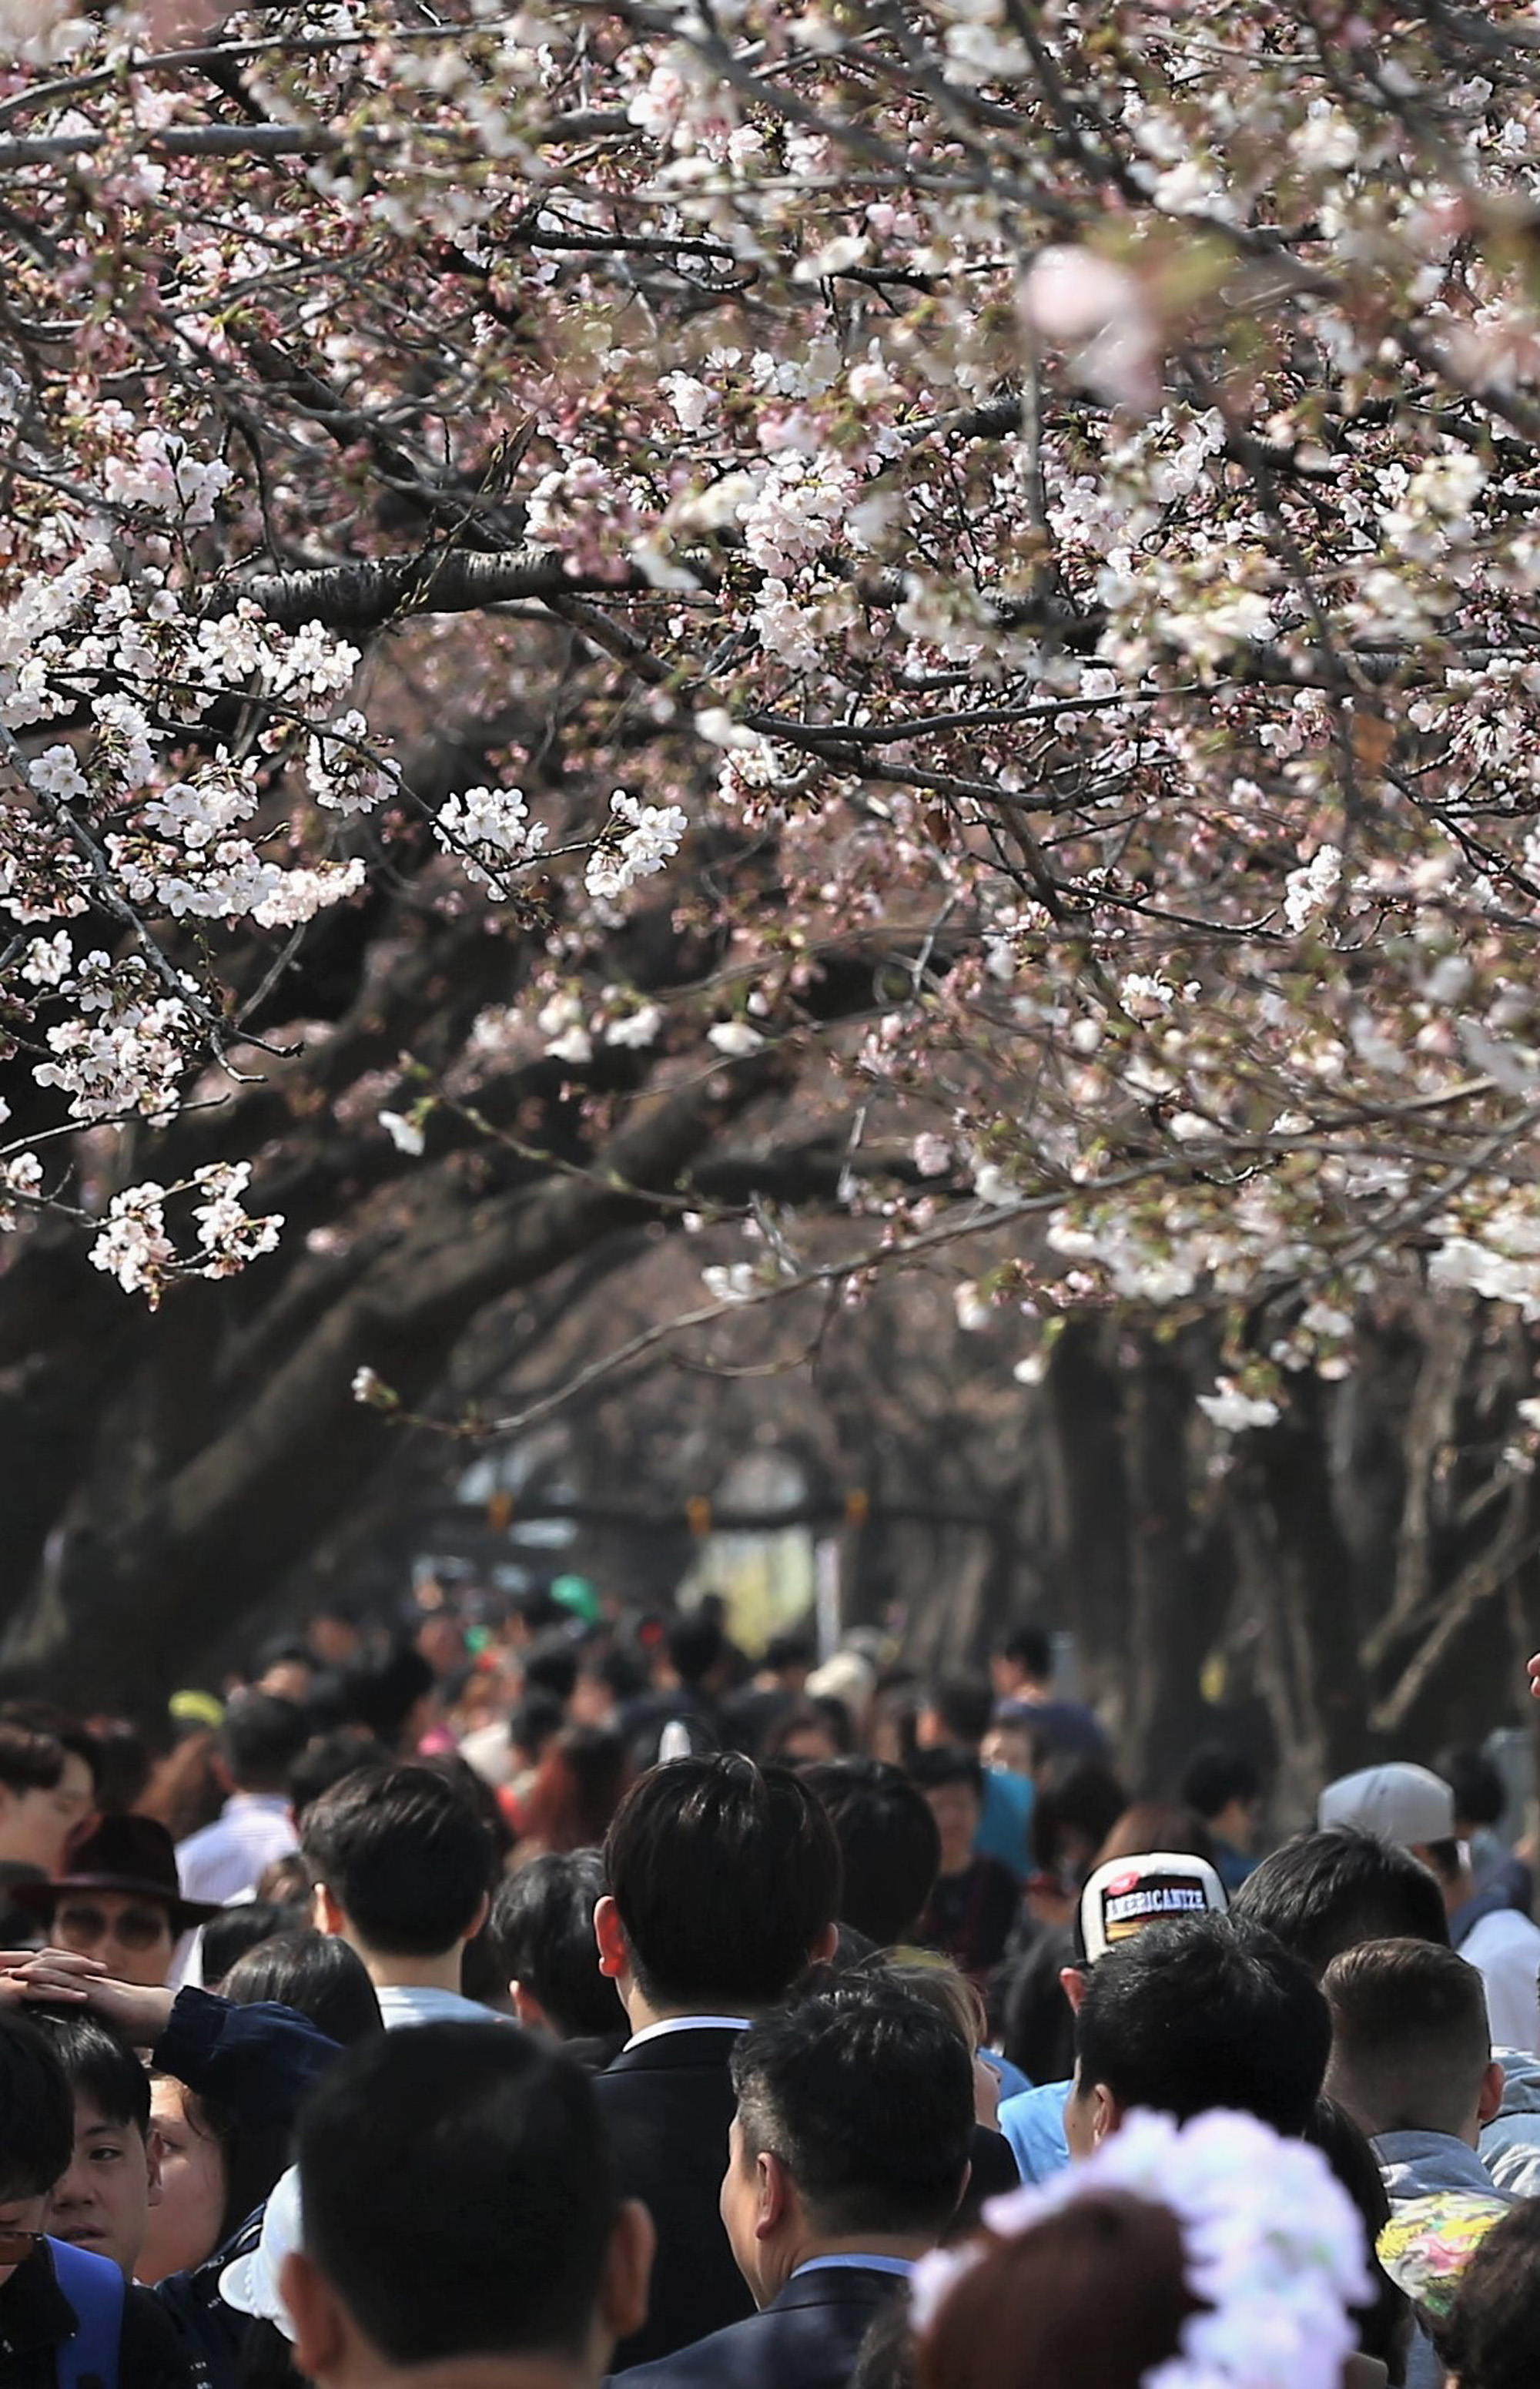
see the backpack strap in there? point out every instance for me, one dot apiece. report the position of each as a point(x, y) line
point(94, 2288)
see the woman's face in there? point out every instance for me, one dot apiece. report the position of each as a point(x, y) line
point(37, 1827)
point(184, 2228)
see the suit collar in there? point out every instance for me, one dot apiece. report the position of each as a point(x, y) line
point(837, 2286)
point(706, 2045)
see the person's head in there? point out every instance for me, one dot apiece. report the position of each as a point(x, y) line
point(119, 1900)
point(889, 1846)
point(943, 1986)
point(551, 1666)
point(336, 1634)
point(542, 1929)
point(48, 1787)
point(955, 1714)
point(855, 2110)
point(103, 2199)
point(1409, 1807)
point(326, 1760)
point(1009, 1747)
point(1202, 2013)
point(1078, 1803)
point(1491, 2339)
point(1225, 1788)
point(214, 2172)
point(1480, 1793)
point(697, 1651)
point(1022, 1663)
point(391, 1697)
point(950, 1781)
point(1157, 1825)
point(533, 1726)
point(787, 1663)
point(399, 1862)
point(37, 2133)
point(285, 1670)
point(724, 1883)
point(808, 1734)
point(259, 1741)
point(458, 2199)
point(318, 1973)
point(1326, 1891)
point(1410, 2048)
point(577, 1789)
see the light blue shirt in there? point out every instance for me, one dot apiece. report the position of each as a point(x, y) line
point(1034, 2124)
point(901, 2266)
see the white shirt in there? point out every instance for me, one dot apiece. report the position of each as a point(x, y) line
point(1505, 1950)
point(405, 2003)
point(226, 1858)
point(687, 2024)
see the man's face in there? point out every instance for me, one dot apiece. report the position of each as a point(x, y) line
point(955, 1808)
point(103, 2202)
point(739, 2206)
point(127, 1931)
point(26, 2213)
point(38, 1827)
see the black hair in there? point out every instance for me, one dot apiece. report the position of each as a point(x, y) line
point(99, 2061)
point(725, 1876)
point(964, 1704)
point(1324, 1892)
point(260, 1740)
point(1491, 2340)
point(542, 1930)
point(318, 1973)
point(1081, 1796)
point(890, 1849)
point(932, 1768)
point(401, 1855)
point(381, 1694)
point(458, 2193)
point(326, 1761)
point(1031, 1649)
point(35, 1741)
point(1215, 1777)
point(228, 1936)
point(1386, 2324)
point(865, 2092)
point(789, 1650)
point(695, 1645)
point(1204, 2011)
point(551, 1666)
point(535, 1720)
point(1480, 1793)
point(37, 2134)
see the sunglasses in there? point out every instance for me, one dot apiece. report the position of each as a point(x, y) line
point(15, 2247)
point(132, 1928)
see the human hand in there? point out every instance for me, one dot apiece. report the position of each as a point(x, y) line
point(1535, 1674)
point(141, 2011)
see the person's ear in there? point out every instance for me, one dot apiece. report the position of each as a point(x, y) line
point(962, 2185)
point(1106, 2114)
point(155, 2149)
point(316, 2312)
point(481, 1915)
point(527, 2008)
point(325, 1915)
point(1071, 1982)
point(824, 1948)
point(609, 1936)
point(627, 2271)
point(1493, 2082)
point(773, 2193)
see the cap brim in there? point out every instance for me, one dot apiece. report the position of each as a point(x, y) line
point(240, 2287)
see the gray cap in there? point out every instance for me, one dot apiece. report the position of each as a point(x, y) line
point(1402, 1804)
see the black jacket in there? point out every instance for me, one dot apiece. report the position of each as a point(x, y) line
point(668, 2107)
point(35, 2316)
point(808, 2338)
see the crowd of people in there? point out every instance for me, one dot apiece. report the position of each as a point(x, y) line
point(535, 2002)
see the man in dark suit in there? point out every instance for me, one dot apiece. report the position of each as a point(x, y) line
point(847, 2158)
point(724, 1884)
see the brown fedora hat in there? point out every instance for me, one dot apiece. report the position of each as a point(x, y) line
point(127, 1854)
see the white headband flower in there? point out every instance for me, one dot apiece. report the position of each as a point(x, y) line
point(1274, 2247)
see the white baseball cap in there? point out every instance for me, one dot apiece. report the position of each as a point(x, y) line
point(1156, 1888)
point(1402, 1804)
point(251, 2284)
